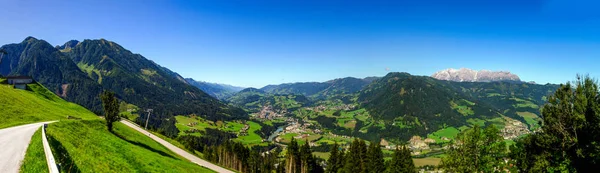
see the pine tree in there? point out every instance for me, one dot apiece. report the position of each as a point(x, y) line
point(375, 162)
point(334, 157)
point(362, 155)
point(306, 157)
point(401, 161)
point(355, 157)
point(293, 158)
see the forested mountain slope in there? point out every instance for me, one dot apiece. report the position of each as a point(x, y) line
point(53, 69)
point(321, 90)
point(144, 83)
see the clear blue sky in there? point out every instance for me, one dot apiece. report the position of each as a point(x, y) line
point(255, 43)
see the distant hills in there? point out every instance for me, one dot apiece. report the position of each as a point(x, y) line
point(468, 75)
point(79, 71)
point(219, 91)
point(422, 105)
point(401, 105)
point(321, 89)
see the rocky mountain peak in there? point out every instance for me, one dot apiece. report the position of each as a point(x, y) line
point(469, 75)
point(68, 45)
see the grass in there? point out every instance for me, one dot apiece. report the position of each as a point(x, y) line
point(521, 103)
point(476, 121)
point(463, 107)
point(35, 158)
point(350, 124)
point(530, 118)
point(448, 132)
point(498, 122)
point(426, 161)
point(252, 137)
point(322, 155)
point(87, 146)
point(36, 104)
point(494, 95)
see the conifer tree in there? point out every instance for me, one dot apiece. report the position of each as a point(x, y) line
point(292, 158)
point(401, 161)
point(334, 157)
point(375, 162)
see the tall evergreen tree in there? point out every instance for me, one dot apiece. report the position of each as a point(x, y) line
point(362, 155)
point(334, 157)
point(293, 158)
point(569, 139)
point(306, 157)
point(353, 160)
point(401, 161)
point(111, 109)
point(375, 162)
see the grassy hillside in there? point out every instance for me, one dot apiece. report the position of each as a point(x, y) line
point(87, 146)
point(251, 137)
point(34, 105)
point(50, 67)
point(35, 158)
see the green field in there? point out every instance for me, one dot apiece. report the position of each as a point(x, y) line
point(35, 105)
point(448, 132)
point(252, 137)
point(530, 118)
point(234, 127)
point(35, 158)
point(521, 103)
point(476, 121)
point(427, 161)
point(463, 107)
point(92, 148)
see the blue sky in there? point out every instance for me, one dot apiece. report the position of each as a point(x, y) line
point(255, 43)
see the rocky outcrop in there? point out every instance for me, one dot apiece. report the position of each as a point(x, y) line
point(468, 75)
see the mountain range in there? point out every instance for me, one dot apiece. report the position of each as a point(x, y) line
point(219, 91)
point(80, 71)
point(398, 105)
point(468, 75)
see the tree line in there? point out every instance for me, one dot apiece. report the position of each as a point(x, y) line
point(568, 140)
point(360, 158)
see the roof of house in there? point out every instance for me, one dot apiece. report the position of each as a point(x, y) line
point(18, 77)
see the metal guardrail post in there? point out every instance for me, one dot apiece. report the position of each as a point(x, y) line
point(52, 168)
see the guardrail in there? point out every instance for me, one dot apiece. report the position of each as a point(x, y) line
point(52, 168)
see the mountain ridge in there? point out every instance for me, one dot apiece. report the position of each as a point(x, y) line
point(469, 75)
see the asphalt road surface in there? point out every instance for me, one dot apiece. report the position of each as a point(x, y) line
point(176, 150)
point(13, 145)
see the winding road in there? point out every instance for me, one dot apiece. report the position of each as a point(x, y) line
point(177, 150)
point(13, 145)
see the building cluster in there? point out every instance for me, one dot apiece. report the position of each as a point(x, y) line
point(418, 143)
point(514, 129)
point(345, 107)
point(267, 112)
point(244, 130)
